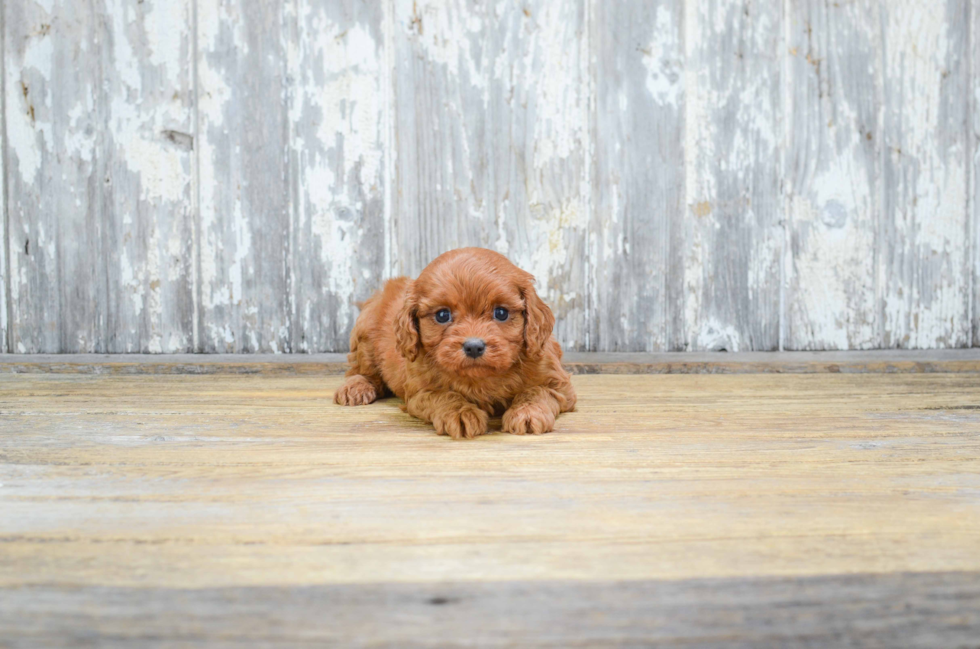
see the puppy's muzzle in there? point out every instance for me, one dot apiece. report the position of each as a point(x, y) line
point(474, 347)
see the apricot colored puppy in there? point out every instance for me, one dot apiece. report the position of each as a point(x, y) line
point(468, 339)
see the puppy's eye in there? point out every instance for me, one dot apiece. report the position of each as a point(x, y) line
point(443, 316)
point(501, 314)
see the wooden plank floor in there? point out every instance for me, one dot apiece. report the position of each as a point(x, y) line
point(696, 510)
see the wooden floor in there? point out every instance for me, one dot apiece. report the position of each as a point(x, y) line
point(696, 510)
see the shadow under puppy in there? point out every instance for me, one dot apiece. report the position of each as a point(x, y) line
point(468, 339)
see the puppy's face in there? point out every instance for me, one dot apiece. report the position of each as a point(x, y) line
point(473, 313)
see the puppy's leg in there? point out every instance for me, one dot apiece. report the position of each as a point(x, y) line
point(566, 396)
point(364, 384)
point(449, 412)
point(533, 411)
point(359, 390)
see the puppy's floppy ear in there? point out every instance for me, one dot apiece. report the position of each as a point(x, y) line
point(538, 319)
point(407, 326)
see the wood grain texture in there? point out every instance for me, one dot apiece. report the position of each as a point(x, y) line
point(243, 166)
point(337, 238)
point(833, 175)
point(491, 115)
point(57, 176)
point(733, 234)
point(440, 118)
point(101, 199)
point(924, 268)
point(190, 491)
point(536, 145)
point(148, 94)
point(4, 269)
point(4, 242)
point(973, 153)
point(234, 175)
point(924, 610)
point(639, 177)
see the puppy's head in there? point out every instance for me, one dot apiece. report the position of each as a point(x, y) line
point(474, 314)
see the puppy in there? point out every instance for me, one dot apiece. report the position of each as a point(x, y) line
point(468, 339)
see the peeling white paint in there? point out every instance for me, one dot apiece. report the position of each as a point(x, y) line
point(505, 163)
point(718, 336)
point(4, 278)
point(555, 236)
point(336, 118)
point(834, 296)
point(831, 184)
point(214, 95)
point(732, 188)
point(154, 284)
point(697, 148)
point(241, 257)
point(539, 98)
point(925, 301)
point(167, 34)
point(663, 59)
point(125, 60)
point(219, 32)
point(443, 32)
point(557, 88)
point(150, 172)
point(28, 130)
point(129, 281)
point(161, 167)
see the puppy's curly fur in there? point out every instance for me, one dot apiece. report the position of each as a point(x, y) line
point(399, 346)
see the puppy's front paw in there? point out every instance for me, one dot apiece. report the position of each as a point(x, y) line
point(357, 391)
point(528, 419)
point(461, 423)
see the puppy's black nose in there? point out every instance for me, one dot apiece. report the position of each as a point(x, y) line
point(474, 347)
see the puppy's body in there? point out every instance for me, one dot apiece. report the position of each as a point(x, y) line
point(399, 345)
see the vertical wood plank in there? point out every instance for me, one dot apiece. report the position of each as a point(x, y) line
point(973, 156)
point(4, 240)
point(56, 176)
point(337, 167)
point(491, 119)
point(832, 174)
point(733, 236)
point(243, 163)
point(924, 266)
point(440, 97)
point(148, 95)
point(535, 145)
point(639, 158)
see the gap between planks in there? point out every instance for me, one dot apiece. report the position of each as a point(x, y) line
point(883, 361)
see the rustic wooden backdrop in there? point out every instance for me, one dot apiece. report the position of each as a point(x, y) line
point(232, 175)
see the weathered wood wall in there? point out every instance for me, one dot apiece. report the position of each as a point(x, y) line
point(233, 175)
